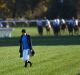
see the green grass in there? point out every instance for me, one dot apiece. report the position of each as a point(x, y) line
point(54, 55)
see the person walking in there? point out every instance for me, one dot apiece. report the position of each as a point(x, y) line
point(25, 47)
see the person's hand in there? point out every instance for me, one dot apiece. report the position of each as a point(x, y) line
point(32, 52)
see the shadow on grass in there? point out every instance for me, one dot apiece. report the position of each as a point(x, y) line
point(44, 40)
point(78, 74)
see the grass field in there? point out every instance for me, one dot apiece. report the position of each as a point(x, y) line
point(55, 55)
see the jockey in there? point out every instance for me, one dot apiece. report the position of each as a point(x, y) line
point(56, 26)
point(48, 26)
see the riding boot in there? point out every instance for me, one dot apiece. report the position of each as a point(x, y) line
point(30, 63)
point(25, 63)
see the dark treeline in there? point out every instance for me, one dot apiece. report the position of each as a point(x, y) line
point(39, 8)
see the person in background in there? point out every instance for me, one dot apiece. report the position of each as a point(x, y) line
point(56, 26)
point(1, 25)
point(70, 25)
point(76, 26)
point(63, 25)
point(25, 47)
point(40, 26)
point(48, 25)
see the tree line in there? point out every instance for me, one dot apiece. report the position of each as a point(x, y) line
point(38, 8)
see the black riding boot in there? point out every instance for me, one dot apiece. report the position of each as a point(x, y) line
point(30, 63)
point(25, 63)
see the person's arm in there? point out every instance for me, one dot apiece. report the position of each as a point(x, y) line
point(29, 42)
point(30, 45)
point(20, 49)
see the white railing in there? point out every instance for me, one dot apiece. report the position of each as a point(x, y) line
point(28, 21)
point(5, 32)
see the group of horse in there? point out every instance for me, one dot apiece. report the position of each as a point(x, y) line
point(60, 26)
point(72, 26)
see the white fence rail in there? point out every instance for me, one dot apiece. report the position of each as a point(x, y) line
point(5, 32)
point(29, 20)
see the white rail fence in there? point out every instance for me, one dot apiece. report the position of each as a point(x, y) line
point(6, 32)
